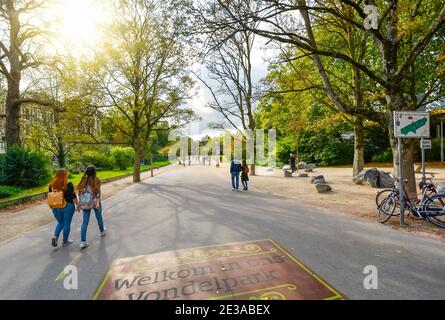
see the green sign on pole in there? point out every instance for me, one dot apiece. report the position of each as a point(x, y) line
point(411, 124)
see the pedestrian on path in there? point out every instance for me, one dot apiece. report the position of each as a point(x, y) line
point(245, 175)
point(89, 199)
point(235, 169)
point(293, 162)
point(63, 208)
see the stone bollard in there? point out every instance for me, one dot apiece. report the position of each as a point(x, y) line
point(323, 188)
point(316, 178)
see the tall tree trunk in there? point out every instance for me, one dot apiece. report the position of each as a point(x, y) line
point(12, 131)
point(61, 155)
point(359, 150)
point(253, 164)
point(138, 154)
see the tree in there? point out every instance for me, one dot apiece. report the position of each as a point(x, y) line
point(230, 67)
point(18, 54)
point(404, 36)
point(143, 76)
point(71, 118)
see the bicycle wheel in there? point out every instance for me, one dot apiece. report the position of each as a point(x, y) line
point(386, 209)
point(382, 195)
point(434, 210)
point(385, 193)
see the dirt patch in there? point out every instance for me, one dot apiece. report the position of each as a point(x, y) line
point(346, 197)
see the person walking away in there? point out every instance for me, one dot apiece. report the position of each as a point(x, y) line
point(235, 169)
point(62, 200)
point(293, 162)
point(89, 199)
point(245, 175)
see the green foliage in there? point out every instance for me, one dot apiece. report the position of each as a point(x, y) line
point(122, 157)
point(25, 168)
point(434, 153)
point(99, 160)
point(76, 167)
point(383, 156)
point(376, 143)
point(335, 152)
point(8, 191)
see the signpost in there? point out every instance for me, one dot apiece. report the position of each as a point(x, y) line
point(410, 124)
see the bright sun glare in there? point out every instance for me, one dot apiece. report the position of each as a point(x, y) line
point(79, 23)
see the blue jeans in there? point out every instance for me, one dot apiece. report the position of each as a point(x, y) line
point(64, 217)
point(86, 221)
point(235, 181)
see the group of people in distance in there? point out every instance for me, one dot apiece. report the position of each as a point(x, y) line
point(236, 168)
point(86, 199)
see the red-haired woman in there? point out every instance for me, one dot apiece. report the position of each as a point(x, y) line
point(64, 216)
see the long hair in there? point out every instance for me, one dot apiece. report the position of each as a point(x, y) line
point(244, 164)
point(60, 180)
point(89, 179)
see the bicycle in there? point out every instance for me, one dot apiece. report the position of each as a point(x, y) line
point(383, 194)
point(431, 206)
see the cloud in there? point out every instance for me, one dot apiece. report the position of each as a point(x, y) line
point(260, 57)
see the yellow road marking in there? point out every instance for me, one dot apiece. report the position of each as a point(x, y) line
point(337, 295)
point(72, 263)
point(99, 290)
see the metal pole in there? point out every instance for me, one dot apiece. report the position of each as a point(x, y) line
point(441, 141)
point(401, 189)
point(423, 163)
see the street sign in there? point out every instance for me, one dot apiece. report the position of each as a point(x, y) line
point(411, 124)
point(426, 144)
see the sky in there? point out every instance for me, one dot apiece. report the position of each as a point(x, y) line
point(78, 23)
point(199, 128)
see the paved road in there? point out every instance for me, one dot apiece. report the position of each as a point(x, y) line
point(195, 206)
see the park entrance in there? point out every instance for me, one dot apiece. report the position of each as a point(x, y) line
point(254, 270)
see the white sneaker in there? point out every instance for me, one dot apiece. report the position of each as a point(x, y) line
point(83, 245)
point(103, 233)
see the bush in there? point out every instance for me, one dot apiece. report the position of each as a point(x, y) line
point(384, 156)
point(8, 191)
point(434, 153)
point(122, 157)
point(25, 168)
point(335, 152)
point(76, 167)
point(99, 160)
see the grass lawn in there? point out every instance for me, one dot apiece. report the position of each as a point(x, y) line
point(75, 179)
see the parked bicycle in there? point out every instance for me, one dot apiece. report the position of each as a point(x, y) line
point(431, 205)
point(383, 194)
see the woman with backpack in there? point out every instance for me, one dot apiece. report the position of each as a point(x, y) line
point(89, 199)
point(245, 175)
point(62, 200)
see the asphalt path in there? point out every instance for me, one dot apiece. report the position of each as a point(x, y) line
point(195, 206)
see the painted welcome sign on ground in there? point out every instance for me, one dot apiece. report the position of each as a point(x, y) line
point(411, 124)
point(253, 270)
